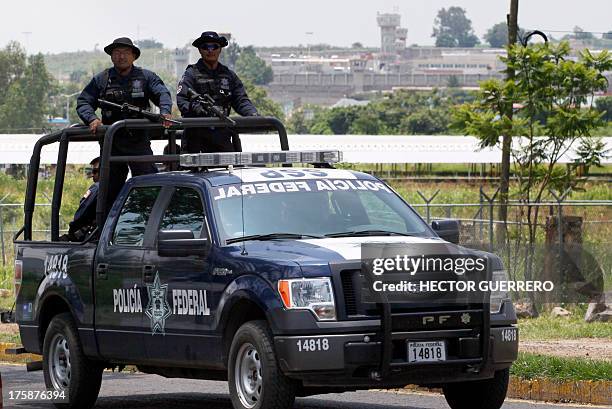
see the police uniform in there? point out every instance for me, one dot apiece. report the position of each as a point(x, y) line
point(225, 88)
point(85, 216)
point(138, 88)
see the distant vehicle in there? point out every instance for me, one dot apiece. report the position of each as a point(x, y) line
point(233, 271)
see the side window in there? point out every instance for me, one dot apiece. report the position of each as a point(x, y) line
point(185, 212)
point(130, 228)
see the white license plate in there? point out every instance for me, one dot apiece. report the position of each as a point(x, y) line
point(430, 351)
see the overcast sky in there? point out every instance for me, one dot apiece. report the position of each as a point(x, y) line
point(70, 25)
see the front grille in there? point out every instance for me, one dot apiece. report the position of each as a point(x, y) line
point(350, 302)
point(405, 315)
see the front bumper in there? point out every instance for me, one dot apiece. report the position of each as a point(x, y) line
point(352, 359)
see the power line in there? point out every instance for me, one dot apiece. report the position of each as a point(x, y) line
point(574, 32)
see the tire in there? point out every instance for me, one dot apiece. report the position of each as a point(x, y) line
point(484, 394)
point(265, 387)
point(66, 368)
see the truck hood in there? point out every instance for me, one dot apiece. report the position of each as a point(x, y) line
point(319, 252)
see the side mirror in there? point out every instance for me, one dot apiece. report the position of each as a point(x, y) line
point(447, 230)
point(177, 243)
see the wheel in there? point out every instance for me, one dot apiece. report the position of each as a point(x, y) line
point(65, 367)
point(255, 379)
point(484, 394)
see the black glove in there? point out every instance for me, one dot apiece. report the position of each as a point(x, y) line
point(67, 237)
point(198, 110)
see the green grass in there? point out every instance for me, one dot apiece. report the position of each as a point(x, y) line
point(546, 327)
point(532, 366)
point(12, 338)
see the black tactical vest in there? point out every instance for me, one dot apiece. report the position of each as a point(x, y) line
point(133, 92)
point(217, 86)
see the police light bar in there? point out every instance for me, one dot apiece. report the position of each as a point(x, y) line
point(259, 158)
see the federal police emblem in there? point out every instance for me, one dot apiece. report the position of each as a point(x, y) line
point(158, 309)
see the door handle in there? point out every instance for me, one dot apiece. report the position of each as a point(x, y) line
point(147, 272)
point(101, 271)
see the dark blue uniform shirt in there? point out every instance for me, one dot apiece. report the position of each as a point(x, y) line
point(86, 213)
point(236, 95)
point(87, 102)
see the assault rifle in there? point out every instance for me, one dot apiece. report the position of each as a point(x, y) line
point(132, 109)
point(209, 106)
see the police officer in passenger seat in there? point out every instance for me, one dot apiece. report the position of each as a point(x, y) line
point(209, 76)
point(85, 217)
point(124, 83)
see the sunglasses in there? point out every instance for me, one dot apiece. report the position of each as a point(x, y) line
point(210, 47)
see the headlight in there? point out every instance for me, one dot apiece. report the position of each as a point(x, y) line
point(314, 294)
point(498, 297)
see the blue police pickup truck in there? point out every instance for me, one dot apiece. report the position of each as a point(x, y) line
point(229, 270)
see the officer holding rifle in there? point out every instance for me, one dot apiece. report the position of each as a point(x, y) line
point(210, 89)
point(124, 84)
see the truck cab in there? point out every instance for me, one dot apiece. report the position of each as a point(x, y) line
point(255, 275)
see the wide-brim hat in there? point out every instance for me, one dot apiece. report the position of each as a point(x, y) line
point(210, 37)
point(122, 42)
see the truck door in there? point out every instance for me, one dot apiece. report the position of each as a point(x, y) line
point(183, 330)
point(119, 291)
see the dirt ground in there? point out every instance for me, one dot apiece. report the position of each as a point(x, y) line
point(579, 348)
point(9, 328)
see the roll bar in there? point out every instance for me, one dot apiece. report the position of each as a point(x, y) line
point(106, 134)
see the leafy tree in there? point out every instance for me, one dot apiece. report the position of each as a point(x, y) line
point(12, 66)
point(403, 112)
point(357, 45)
point(25, 101)
point(604, 105)
point(148, 43)
point(367, 122)
point(452, 28)
point(497, 36)
point(425, 122)
point(230, 55)
point(551, 90)
point(252, 68)
point(265, 106)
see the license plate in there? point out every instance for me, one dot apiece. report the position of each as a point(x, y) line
point(430, 351)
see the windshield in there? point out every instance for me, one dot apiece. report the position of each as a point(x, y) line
point(312, 207)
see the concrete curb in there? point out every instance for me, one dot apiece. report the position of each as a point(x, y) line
point(16, 359)
point(589, 392)
point(584, 392)
point(581, 392)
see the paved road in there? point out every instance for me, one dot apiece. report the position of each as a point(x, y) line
point(125, 390)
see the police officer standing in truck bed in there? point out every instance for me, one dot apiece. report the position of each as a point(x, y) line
point(124, 83)
point(209, 76)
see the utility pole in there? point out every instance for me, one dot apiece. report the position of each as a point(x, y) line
point(512, 21)
point(68, 96)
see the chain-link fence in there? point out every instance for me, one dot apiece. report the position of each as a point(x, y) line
point(584, 222)
point(530, 241)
